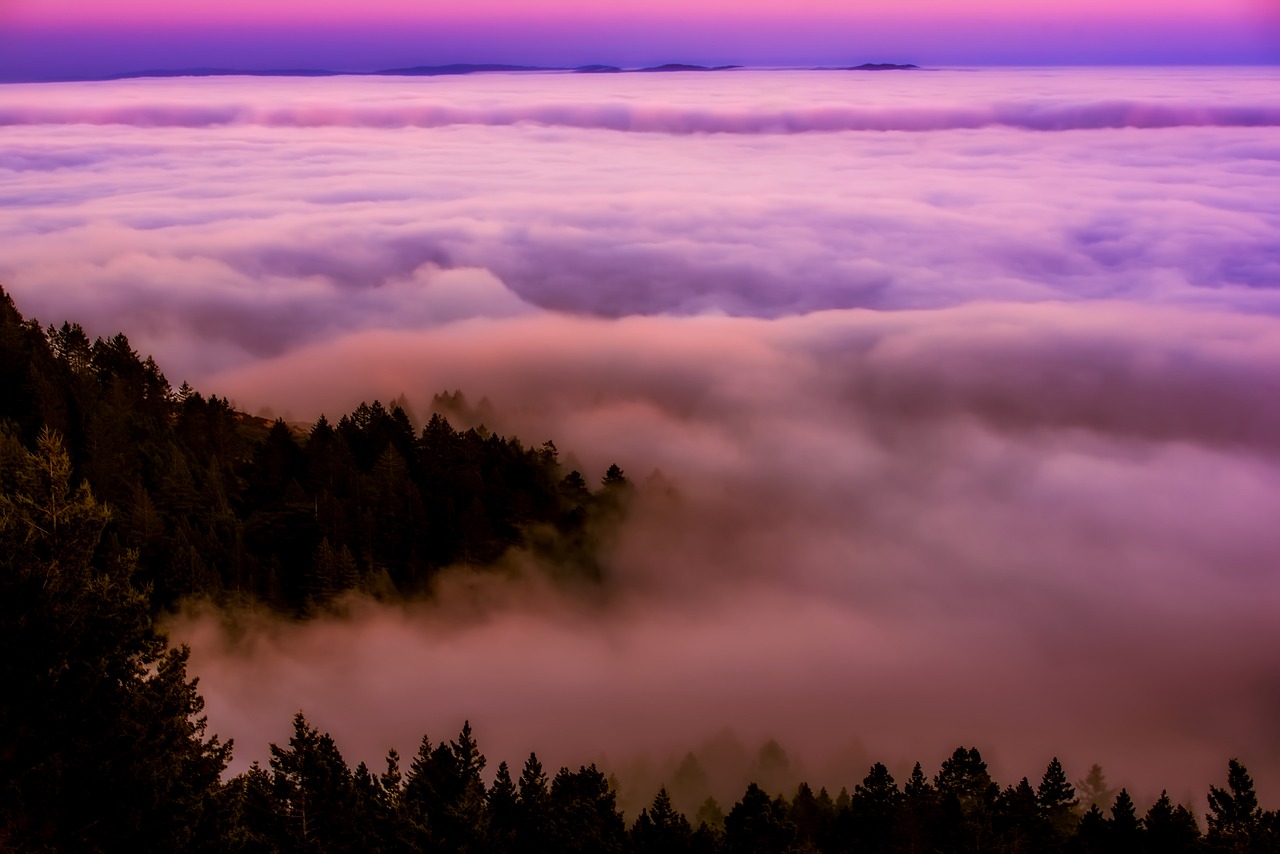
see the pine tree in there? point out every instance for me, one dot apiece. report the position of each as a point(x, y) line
point(919, 815)
point(689, 784)
point(1020, 823)
point(661, 829)
point(811, 821)
point(533, 803)
point(503, 812)
point(710, 814)
point(1234, 816)
point(873, 810)
point(1124, 831)
point(584, 813)
point(756, 825)
point(1091, 835)
point(314, 789)
point(1057, 799)
point(967, 795)
point(101, 740)
point(1170, 830)
point(1093, 789)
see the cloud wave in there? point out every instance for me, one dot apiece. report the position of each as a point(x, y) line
point(1105, 115)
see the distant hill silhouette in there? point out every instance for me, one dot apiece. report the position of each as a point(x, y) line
point(462, 68)
point(678, 66)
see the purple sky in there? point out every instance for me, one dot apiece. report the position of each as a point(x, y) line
point(49, 39)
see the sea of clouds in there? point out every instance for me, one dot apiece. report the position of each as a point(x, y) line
point(962, 388)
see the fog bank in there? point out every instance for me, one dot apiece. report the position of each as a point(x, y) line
point(961, 432)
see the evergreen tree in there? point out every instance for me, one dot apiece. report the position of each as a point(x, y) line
point(1170, 830)
point(710, 814)
point(1234, 816)
point(1093, 789)
point(967, 797)
point(102, 746)
point(661, 829)
point(919, 819)
point(812, 815)
point(874, 808)
point(689, 784)
point(314, 791)
point(444, 797)
point(757, 825)
point(254, 824)
point(533, 803)
point(1125, 831)
point(584, 814)
point(1091, 835)
point(1020, 822)
point(503, 812)
point(1058, 803)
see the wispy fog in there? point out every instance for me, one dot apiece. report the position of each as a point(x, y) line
point(961, 431)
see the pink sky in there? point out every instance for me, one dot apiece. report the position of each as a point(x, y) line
point(247, 12)
point(44, 39)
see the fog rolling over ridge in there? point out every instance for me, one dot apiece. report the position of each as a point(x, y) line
point(966, 430)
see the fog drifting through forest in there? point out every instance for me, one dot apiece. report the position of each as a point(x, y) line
point(967, 430)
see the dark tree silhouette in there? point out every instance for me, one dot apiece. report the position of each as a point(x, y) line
point(1171, 829)
point(102, 745)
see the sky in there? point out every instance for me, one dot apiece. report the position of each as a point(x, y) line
point(63, 39)
point(953, 396)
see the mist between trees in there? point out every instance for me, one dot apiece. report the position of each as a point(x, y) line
point(122, 497)
point(104, 749)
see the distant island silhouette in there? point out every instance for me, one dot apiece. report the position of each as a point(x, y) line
point(464, 68)
point(880, 66)
point(677, 66)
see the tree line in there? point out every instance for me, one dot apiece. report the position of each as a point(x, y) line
point(308, 799)
point(220, 504)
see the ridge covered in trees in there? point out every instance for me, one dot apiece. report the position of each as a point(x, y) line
point(221, 504)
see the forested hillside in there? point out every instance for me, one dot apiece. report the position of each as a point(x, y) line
point(222, 504)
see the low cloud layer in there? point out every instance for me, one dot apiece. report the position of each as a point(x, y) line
point(666, 120)
point(1038, 528)
point(965, 435)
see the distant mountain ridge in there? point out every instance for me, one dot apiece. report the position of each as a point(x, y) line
point(454, 69)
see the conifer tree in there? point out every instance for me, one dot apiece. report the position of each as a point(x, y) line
point(1234, 816)
point(1091, 835)
point(1170, 829)
point(756, 824)
point(102, 745)
point(1057, 799)
point(1125, 831)
point(314, 789)
point(661, 829)
point(584, 814)
point(503, 812)
point(1093, 789)
point(533, 802)
point(1020, 825)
